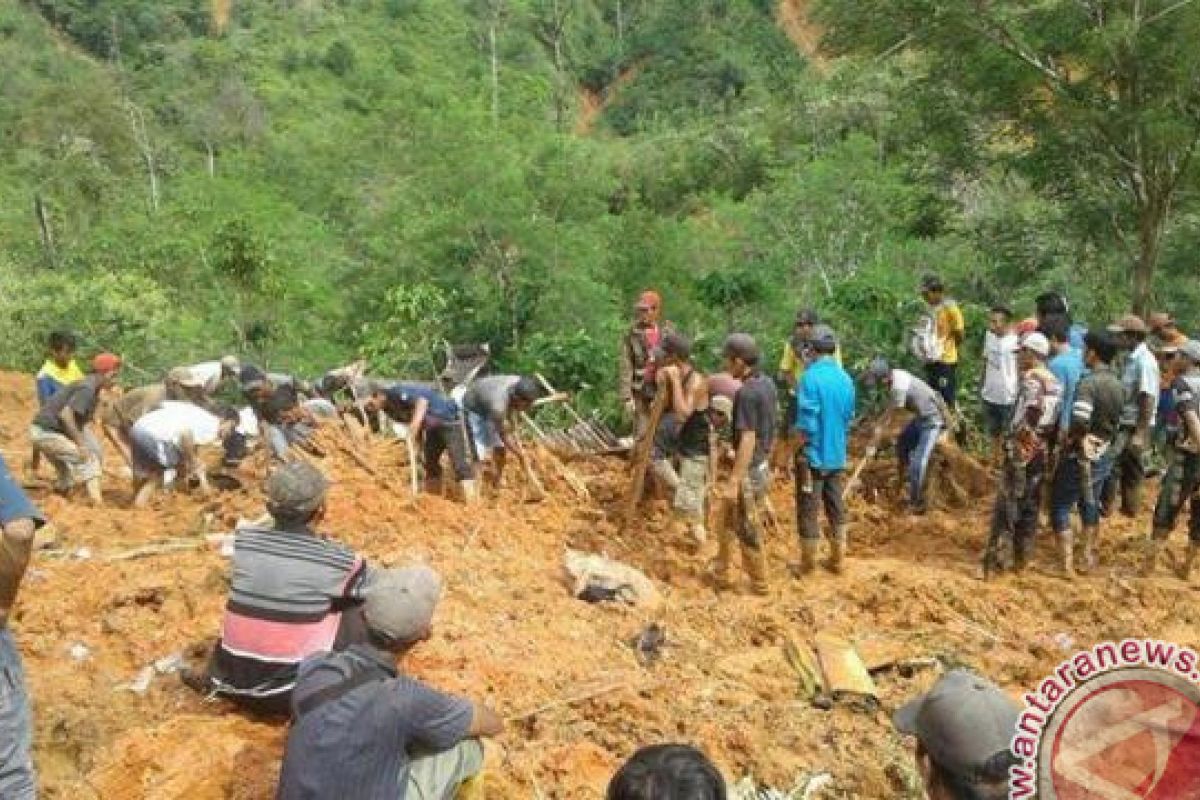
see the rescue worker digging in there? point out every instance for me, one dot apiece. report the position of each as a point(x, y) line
point(741, 497)
point(1026, 446)
point(493, 406)
point(1181, 485)
point(684, 431)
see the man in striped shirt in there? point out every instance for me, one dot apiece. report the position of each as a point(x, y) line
point(293, 593)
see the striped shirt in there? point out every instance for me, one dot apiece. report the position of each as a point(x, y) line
point(287, 595)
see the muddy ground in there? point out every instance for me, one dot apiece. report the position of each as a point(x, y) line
point(510, 634)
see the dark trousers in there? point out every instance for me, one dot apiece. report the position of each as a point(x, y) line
point(817, 488)
point(943, 378)
point(1126, 477)
point(1015, 516)
point(1180, 486)
point(446, 438)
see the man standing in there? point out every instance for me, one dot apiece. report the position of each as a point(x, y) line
point(1182, 482)
point(1167, 339)
point(18, 521)
point(436, 422)
point(1095, 417)
point(824, 410)
point(1027, 440)
point(165, 445)
point(931, 418)
point(494, 406)
point(1000, 375)
point(949, 328)
point(684, 431)
point(1141, 380)
point(637, 366)
point(62, 429)
point(293, 592)
point(742, 495)
point(1066, 364)
point(362, 729)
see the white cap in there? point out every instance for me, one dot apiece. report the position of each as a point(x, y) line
point(1036, 342)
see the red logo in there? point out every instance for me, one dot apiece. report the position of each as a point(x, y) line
point(1128, 735)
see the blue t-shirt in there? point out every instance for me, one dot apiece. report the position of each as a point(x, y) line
point(1068, 368)
point(824, 409)
point(402, 399)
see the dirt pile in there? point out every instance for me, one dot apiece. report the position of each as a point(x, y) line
point(510, 634)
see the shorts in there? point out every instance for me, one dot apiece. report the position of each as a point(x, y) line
point(693, 487)
point(485, 434)
point(995, 417)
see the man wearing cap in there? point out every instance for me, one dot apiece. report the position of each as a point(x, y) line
point(1095, 417)
point(1142, 380)
point(1181, 485)
point(19, 519)
point(636, 366)
point(741, 498)
point(964, 729)
point(282, 419)
point(824, 410)
point(950, 329)
point(363, 729)
point(62, 429)
point(683, 432)
point(435, 420)
point(293, 592)
point(1026, 447)
point(165, 444)
point(931, 418)
point(494, 405)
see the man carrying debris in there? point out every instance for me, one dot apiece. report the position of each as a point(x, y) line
point(1181, 485)
point(293, 593)
point(494, 405)
point(1000, 375)
point(436, 423)
point(1142, 381)
point(667, 772)
point(931, 418)
point(166, 443)
point(741, 497)
point(62, 429)
point(824, 410)
point(283, 421)
point(964, 729)
point(937, 341)
point(19, 519)
point(1026, 451)
point(684, 430)
point(636, 368)
point(362, 729)
point(1095, 415)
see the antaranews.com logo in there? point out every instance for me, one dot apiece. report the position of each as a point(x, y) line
point(1120, 721)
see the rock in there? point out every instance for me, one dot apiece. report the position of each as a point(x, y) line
point(596, 579)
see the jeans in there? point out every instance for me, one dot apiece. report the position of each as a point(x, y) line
point(1015, 514)
point(821, 488)
point(1067, 493)
point(17, 781)
point(915, 449)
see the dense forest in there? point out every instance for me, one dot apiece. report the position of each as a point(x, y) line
point(305, 181)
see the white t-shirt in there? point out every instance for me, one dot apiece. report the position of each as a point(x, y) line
point(1141, 377)
point(1000, 378)
point(171, 421)
point(209, 372)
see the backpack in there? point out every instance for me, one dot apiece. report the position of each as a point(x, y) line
point(925, 343)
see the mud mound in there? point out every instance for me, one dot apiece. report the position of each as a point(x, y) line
point(510, 634)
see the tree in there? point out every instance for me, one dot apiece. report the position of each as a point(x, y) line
point(1098, 100)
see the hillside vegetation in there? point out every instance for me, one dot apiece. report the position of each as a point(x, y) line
point(303, 181)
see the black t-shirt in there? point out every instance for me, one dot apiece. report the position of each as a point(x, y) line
point(754, 409)
point(82, 397)
point(282, 399)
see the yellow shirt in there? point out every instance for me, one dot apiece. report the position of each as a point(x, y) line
point(950, 323)
point(792, 364)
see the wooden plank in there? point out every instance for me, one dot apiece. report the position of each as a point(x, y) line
point(641, 460)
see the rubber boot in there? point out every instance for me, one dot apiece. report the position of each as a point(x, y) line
point(837, 553)
point(755, 562)
point(1090, 534)
point(722, 565)
point(470, 490)
point(1066, 551)
point(809, 550)
point(1154, 547)
point(1189, 559)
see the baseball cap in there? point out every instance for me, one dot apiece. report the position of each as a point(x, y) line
point(966, 724)
point(824, 340)
point(877, 370)
point(185, 378)
point(1130, 323)
point(1191, 349)
point(106, 362)
point(648, 299)
point(722, 383)
point(722, 404)
point(741, 345)
point(295, 491)
point(399, 603)
point(1036, 342)
point(527, 389)
point(807, 316)
point(931, 283)
point(676, 344)
point(230, 364)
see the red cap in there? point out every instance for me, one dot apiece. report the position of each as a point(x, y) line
point(106, 362)
point(649, 299)
point(1027, 326)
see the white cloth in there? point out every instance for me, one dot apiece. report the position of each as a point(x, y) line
point(171, 421)
point(1000, 377)
point(209, 372)
point(1141, 377)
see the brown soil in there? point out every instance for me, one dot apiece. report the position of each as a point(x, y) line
point(592, 103)
point(508, 633)
point(804, 33)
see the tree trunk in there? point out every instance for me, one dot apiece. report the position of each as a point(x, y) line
point(43, 218)
point(211, 158)
point(1151, 220)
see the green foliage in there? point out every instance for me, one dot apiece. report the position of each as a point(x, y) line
point(407, 334)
